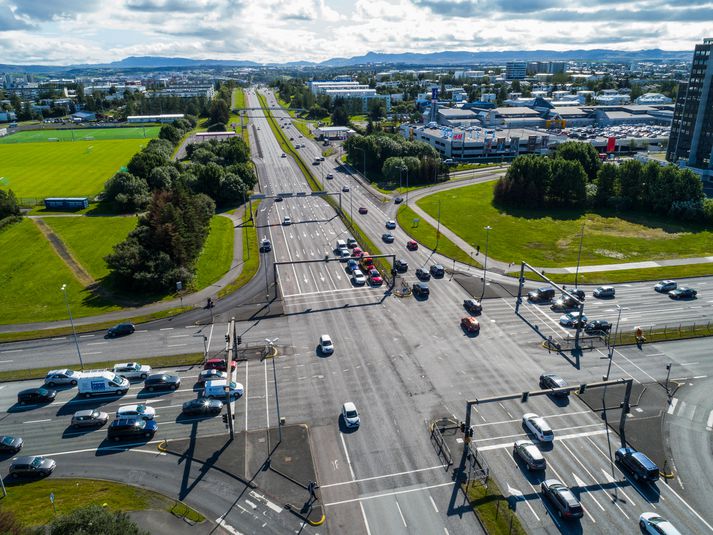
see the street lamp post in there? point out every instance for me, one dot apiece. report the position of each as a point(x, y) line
point(71, 322)
point(579, 256)
point(604, 395)
point(364, 167)
point(485, 266)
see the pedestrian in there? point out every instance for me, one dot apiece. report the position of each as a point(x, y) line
point(477, 250)
point(549, 345)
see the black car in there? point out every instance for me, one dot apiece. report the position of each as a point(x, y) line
point(639, 465)
point(437, 270)
point(387, 237)
point(202, 407)
point(597, 327)
point(36, 395)
point(128, 428)
point(162, 381)
point(420, 289)
point(683, 293)
point(473, 306)
point(579, 294)
point(564, 303)
point(541, 295)
point(563, 499)
point(422, 274)
point(401, 265)
point(11, 444)
point(398, 200)
point(121, 330)
point(552, 380)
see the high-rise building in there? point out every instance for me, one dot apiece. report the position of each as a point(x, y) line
point(515, 70)
point(691, 139)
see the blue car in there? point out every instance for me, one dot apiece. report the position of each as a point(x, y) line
point(352, 265)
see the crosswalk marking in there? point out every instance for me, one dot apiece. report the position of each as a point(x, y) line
point(709, 423)
point(672, 406)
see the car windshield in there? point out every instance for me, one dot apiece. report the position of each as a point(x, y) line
point(37, 461)
point(351, 414)
point(547, 432)
point(42, 391)
point(7, 440)
point(140, 408)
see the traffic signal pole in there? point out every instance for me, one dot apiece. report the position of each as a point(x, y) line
point(231, 351)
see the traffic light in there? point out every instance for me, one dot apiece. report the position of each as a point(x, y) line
point(525, 395)
point(225, 419)
point(471, 431)
point(462, 427)
point(582, 388)
point(240, 340)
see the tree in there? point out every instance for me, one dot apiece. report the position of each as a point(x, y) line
point(142, 164)
point(339, 116)
point(377, 109)
point(219, 112)
point(606, 183)
point(584, 153)
point(92, 520)
point(126, 192)
point(170, 133)
point(8, 204)
point(630, 187)
point(526, 182)
point(569, 184)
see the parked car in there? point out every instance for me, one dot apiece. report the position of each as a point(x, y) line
point(541, 295)
point(656, 525)
point(422, 274)
point(562, 498)
point(571, 319)
point(473, 306)
point(420, 289)
point(411, 245)
point(32, 466)
point(375, 278)
point(530, 454)
point(89, 418)
point(10, 444)
point(470, 325)
point(61, 377)
point(638, 464)
point(350, 415)
point(326, 346)
point(683, 293)
point(538, 427)
point(387, 237)
point(552, 380)
point(391, 224)
point(36, 395)
point(401, 266)
point(162, 381)
point(665, 286)
point(437, 270)
point(132, 370)
point(122, 329)
point(131, 428)
point(147, 412)
point(202, 407)
point(597, 327)
point(210, 375)
point(219, 364)
point(604, 292)
point(363, 210)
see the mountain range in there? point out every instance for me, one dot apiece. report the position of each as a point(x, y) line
point(441, 59)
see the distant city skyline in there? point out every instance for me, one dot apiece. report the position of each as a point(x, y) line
point(61, 32)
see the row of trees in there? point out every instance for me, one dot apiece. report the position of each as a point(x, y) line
point(9, 206)
point(392, 155)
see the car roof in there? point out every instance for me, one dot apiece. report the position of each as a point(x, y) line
point(349, 406)
point(85, 412)
point(25, 459)
point(63, 370)
point(644, 460)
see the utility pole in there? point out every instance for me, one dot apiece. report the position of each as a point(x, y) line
point(71, 322)
point(485, 267)
point(579, 256)
point(231, 350)
point(438, 230)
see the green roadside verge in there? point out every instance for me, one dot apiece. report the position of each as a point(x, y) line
point(314, 184)
point(251, 253)
point(493, 509)
point(64, 331)
point(29, 501)
point(667, 333)
point(186, 359)
point(424, 233)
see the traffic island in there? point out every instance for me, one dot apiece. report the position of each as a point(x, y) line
point(278, 462)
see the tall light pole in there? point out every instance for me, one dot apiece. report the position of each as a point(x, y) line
point(579, 256)
point(485, 267)
point(71, 322)
point(438, 229)
point(604, 403)
point(364, 167)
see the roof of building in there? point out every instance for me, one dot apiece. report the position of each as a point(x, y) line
point(569, 111)
point(334, 129)
point(454, 113)
point(524, 112)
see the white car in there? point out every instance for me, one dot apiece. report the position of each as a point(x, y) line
point(132, 370)
point(666, 286)
point(287, 220)
point(345, 189)
point(391, 224)
point(538, 427)
point(358, 278)
point(604, 291)
point(147, 412)
point(62, 377)
point(653, 523)
point(326, 345)
point(350, 415)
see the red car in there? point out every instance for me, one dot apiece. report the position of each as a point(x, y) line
point(411, 245)
point(470, 324)
point(357, 252)
point(363, 210)
point(375, 278)
point(367, 262)
point(219, 364)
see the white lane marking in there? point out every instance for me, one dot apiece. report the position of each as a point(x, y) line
point(86, 335)
point(525, 434)
point(366, 522)
point(180, 336)
point(346, 454)
point(557, 439)
point(672, 407)
point(97, 343)
point(700, 376)
point(709, 423)
point(176, 345)
point(433, 502)
point(439, 467)
point(92, 352)
point(267, 403)
point(684, 502)
point(166, 329)
point(401, 514)
point(395, 493)
point(582, 485)
point(37, 421)
point(688, 363)
point(227, 527)
point(520, 419)
point(11, 351)
point(6, 361)
point(60, 338)
point(614, 482)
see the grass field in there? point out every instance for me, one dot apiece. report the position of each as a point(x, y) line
point(238, 98)
point(76, 169)
point(31, 275)
point(217, 254)
point(73, 134)
point(80, 234)
point(551, 238)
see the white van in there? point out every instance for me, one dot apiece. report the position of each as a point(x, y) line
point(102, 382)
point(341, 244)
point(216, 389)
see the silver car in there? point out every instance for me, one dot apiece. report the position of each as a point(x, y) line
point(35, 465)
point(89, 418)
point(62, 377)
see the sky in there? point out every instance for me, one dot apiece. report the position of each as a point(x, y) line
point(62, 32)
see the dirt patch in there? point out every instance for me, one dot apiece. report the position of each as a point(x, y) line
point(58, 245)
point(630, 230)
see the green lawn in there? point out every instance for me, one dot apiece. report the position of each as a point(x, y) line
point(31, 275)
point(217, 254)
point(238, 98)
point(551, 237)
point(80, 235)
point(77, 169)
point(251, 254)
point(39, 136)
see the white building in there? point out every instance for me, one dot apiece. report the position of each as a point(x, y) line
point(612, 99)
point(653, 98)
point(164, 118)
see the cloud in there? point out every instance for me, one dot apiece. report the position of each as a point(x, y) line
point(9, 22)
point(171, 6)
point(47, 10)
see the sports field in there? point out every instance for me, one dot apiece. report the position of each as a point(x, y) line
point(76, 169)
point(74, 134)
